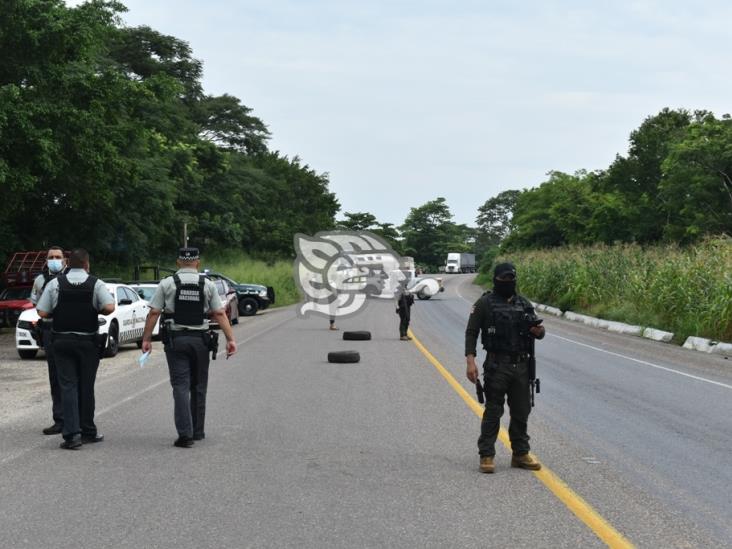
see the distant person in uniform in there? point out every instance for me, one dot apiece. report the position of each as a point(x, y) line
point(500, 318)
point(55, 264)
point(186, 300)
point(73, 301)
point(404, 302)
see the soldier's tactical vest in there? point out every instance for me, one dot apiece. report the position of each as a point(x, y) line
point(75, 310)
point(189, 302)
point(504, 324)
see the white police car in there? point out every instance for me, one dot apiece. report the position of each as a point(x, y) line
point(124, 325)
point(425, 287)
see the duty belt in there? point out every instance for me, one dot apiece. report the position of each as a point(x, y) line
point(187, 333)
point(508, 358)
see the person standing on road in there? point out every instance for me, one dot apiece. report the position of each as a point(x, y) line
point(404, 300)
point(73, 301)
point(55, 264)
point(501, 316)
point(186, 300)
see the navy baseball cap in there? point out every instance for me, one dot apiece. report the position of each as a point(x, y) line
point(188, 254)
point(503, 269)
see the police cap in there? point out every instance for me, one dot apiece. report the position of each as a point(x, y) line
point(188, 254)
point(503, 269)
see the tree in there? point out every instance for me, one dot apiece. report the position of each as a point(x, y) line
point(357, 221)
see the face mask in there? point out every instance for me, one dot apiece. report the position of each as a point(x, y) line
point(504, 288)
point(55, 265)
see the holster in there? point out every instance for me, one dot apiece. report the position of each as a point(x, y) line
point(213, 343)
point(100, 340)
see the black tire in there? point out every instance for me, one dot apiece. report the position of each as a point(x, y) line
point(112, 347)
point(423, 296)
point(27, 353)
point(248, 306)
point(357, 336)
point(344, 357)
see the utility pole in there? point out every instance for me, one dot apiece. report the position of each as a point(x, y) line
point(185, 234)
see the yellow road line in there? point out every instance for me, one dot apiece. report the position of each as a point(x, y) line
point(591, 518)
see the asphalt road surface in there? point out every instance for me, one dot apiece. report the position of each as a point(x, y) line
point(303, 453)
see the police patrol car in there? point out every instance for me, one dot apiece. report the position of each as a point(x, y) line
point(124, 325)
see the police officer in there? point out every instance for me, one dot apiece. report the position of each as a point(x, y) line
point(55, 264)
point(404, 300)
point(187, 299)
point(73, 300)
point(501, 315)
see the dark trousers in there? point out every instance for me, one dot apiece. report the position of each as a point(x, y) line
point(77, 361)
point(403, 321)
point(188, 362)
point(56, 405)
point(511, 381)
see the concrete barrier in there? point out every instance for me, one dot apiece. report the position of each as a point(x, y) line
point(724, 349)
point(699, 344)
point(658, 335)
point(552, 310)
point(622, 328)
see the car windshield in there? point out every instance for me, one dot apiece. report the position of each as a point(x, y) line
point(15, 293)
point(145, 293)
point(220, 286)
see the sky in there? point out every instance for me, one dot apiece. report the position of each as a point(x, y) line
point(401, 102)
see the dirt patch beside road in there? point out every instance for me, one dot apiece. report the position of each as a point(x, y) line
point(24, 385)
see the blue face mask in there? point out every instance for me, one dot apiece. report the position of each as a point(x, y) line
point(55, 265)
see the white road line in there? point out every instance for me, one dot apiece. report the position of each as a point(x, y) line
point(645, 363)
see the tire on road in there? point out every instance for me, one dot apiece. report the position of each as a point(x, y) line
point(357, 335)
point(27, 353)
point(344, 357)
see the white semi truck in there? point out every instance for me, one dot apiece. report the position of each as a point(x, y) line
point(460, 263)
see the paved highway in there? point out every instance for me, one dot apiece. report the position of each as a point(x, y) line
point(636, 436)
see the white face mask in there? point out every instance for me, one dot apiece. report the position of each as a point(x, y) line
point(55, 265)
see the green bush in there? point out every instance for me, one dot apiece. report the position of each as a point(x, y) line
point(687, 291)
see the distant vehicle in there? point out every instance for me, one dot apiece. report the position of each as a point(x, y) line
point(23, 267)
point(13, 301)
point(460, 263)
point(124, 325)
point(227, 293)
point(425, 287)
point(252, 297)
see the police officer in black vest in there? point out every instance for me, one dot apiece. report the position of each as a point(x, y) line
point(186, 300)
point(501, 316)
point(55, 264)
point(73, 301)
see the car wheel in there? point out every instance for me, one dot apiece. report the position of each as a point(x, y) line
point(422, 295)
point(248, 306)
point(27, 353)
point(112, 341)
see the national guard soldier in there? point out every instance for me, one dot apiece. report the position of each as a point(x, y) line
point(55, 264)
point(73, 300)
point(507, 322)
point(404, 302)
point(186, 300)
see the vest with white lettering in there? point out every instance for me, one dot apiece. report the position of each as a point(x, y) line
point(189, 300)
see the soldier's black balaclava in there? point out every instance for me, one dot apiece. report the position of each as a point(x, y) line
point(504, 288)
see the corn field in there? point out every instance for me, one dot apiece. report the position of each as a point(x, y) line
point(687, 291)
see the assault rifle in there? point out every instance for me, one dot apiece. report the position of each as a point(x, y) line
point(534, 382)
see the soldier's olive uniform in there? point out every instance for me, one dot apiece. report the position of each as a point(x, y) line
point(186, 299)
point(504, 334)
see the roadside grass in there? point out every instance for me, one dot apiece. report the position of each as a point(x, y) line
point(686, 290)
point(277, 273)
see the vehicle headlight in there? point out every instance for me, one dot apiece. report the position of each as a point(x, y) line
point(263, 292)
